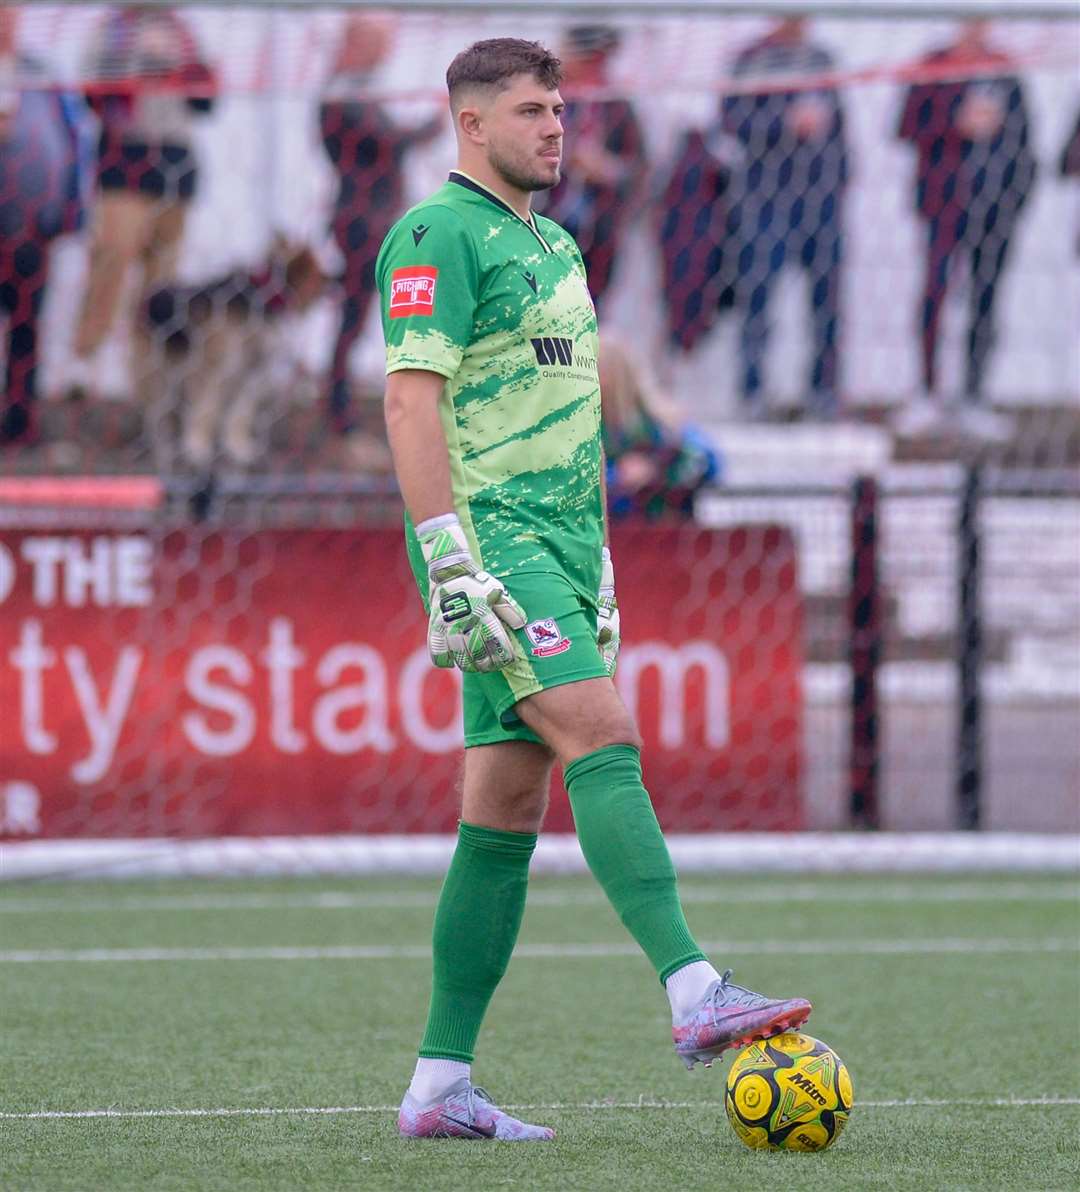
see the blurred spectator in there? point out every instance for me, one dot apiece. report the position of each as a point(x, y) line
point(147, 82)
point(603, 157)
point(656, 462)
point(41, 131)
point(1069, 165)
point(788, 207)
point(975, 171)
point(693, 217)
point(367, 149)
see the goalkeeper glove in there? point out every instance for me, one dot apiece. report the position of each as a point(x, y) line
point(607, 617)
point(471, 612)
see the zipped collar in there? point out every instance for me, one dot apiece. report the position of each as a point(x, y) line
point(462, 179)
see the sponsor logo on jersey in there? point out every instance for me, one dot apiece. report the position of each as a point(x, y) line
point(412, 291)
point(553, 349)
point(530, 278)
point(546, 638)
point(557, 354)
point(419, 232)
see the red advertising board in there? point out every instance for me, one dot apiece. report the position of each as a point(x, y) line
point(206, 683)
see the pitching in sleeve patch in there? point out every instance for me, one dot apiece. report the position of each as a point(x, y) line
point(412, 291)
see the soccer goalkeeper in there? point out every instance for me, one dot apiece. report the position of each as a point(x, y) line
point(493, 416)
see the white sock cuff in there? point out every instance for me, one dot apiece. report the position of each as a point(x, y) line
point(434, 1076)
point(686, 987)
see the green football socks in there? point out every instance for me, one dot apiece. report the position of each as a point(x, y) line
point(476, 927)
point(625, 849)
point(483, 896)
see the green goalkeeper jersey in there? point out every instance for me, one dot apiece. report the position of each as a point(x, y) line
point(499, 306)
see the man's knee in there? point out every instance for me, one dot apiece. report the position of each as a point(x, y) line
point(617, 728)
point(590, 734)
point(506, 786)
point(527, 801)
point(580, 718)
point(511, 809)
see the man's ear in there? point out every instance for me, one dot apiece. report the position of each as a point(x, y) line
point(471, 124)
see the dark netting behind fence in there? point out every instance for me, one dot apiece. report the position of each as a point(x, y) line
point(837, 268)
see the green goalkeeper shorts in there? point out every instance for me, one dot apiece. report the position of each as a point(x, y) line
point(557, 645)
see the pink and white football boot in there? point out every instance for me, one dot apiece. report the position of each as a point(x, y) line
point(731, 1016)
point(464, 1110)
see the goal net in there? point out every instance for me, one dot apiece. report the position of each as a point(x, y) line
point(826, 243)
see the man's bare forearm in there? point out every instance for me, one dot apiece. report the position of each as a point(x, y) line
point(418, 442)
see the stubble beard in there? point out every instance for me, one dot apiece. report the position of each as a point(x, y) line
point(514, 175)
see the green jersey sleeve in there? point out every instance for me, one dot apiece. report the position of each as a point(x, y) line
point(428, 279)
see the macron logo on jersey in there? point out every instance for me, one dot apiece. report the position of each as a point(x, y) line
point(412, 291)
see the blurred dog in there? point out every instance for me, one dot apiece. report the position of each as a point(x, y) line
point(218, 350)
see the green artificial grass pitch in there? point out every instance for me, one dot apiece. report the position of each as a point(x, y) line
point(259, 1035)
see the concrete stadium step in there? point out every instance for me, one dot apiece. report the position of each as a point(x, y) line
point(817, 453)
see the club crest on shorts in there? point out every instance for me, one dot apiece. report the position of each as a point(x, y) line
point(546, 638)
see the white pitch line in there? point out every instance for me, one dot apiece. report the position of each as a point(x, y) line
point(846, 947)
point(775, 893)
point(552, 1106)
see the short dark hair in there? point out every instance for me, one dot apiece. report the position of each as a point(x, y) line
point(493, 63)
